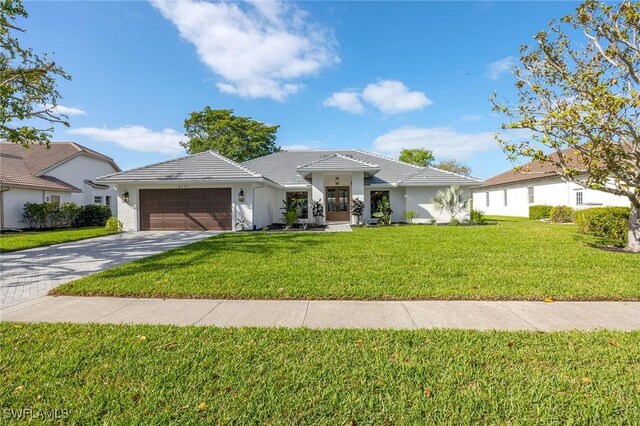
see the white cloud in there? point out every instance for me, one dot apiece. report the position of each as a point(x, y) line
point(346, 101)
point(393, 97)
point(259, 49)
point(497, 69)
point(388, 96)
point(471, 117)
point(443, 141)
point(70, 111)
point(303, 146)
point(136, 138)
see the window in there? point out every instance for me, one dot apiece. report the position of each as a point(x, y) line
point(530, 193)
point(55, 199)
point(376, 197)
point(303, 197)
point(107, 201)
point(487, 196)
point(97, 200)
point(505, 197)
point(579, 199)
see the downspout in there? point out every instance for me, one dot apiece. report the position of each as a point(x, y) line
point(2, 191)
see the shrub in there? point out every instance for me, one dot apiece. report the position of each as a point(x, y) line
point(113, 225)
point(384, 212)
point(477, 217)
point(454, 222)
point(408, 216)
point(608, 222)
point(39, 215)
point(66, 215)
point(538, 212)
point(93, 215)
point(562, 214)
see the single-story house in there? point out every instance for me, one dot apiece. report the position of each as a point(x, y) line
point(63, 172)
point(512, 192)
point(209, 191)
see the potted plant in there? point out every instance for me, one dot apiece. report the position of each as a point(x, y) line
point(317, 211)
point(357, 209)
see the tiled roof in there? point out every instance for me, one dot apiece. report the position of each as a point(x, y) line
point(39, 157)
point(206, 165)
point(338, 162)
point(432, 175)
point(15, 173)
point(281, 167)
point(531, 171)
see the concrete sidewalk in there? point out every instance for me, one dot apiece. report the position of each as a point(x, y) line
point(477, 315)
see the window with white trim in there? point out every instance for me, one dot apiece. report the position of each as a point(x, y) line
point(579, 198)
point(97, 199)
point(530, 194)
point(107, 200)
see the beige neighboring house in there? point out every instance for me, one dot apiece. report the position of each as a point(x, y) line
point(63, 172)
point(512, 192)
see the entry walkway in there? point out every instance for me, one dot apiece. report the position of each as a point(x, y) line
point(477, 315)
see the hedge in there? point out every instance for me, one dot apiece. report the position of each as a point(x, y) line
point(539, 211)
point(43, 215)
point(608, 222)
point(562, 214)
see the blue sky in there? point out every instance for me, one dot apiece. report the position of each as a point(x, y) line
point(371, 75)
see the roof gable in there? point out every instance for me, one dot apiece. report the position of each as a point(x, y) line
point(40, 157)
point(15, 173)
point(207, 165)
point(338, 162)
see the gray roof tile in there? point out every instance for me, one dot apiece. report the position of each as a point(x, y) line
point(338, 162)
point(206, 165)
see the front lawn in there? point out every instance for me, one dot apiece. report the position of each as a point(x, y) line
point(515, 259)
point(104, 374)
point(26, 240)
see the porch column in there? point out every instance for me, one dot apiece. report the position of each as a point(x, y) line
point(357, 190)
point(317, 191)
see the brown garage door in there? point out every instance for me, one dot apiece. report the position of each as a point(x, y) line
point(184, 209)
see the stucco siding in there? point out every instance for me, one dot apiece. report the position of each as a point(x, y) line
point(419, 199)
point(552, 192)
point(13, 202)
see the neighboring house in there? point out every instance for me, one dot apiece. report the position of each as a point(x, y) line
point(209, 191)
point(512, 192)
point(63, 172)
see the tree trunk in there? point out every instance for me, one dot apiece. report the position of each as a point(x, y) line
point(633, 243)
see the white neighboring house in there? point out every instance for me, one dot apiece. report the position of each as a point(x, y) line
point(209, 191)
point(64, 172)
point(512, 192)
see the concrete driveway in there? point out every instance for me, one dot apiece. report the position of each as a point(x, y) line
point(32, 273)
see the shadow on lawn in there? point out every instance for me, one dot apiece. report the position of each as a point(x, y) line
point(198, 253)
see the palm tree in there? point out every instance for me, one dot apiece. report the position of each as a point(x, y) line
point(452, 200)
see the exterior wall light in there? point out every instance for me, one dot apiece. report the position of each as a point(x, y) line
point(337, 180)
point(125, 197)
point(241, 196)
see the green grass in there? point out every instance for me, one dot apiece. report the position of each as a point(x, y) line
point(104, 374)
point(515, 259)
point(26, 240)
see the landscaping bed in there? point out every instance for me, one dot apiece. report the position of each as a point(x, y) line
point(161, 374)
point(16, 241)
point(517, 259)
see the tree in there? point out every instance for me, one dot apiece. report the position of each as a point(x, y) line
point(452, 200)
point(419, 156)
point(454, 166)
point(238, 138)
point(580, 99)
point(28, 89)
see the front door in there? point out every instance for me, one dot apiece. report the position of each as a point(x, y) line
point(338, 203)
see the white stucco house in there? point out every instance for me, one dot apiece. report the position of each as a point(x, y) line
point(512, 192)
point(62, 172)
point(209, 191)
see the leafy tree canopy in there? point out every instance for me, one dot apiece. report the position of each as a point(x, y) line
point(418, 156)
point(27, 84)
point(579, 95)
point(238, 138)
point(454, 166)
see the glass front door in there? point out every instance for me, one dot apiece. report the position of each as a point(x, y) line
point(338, 203)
